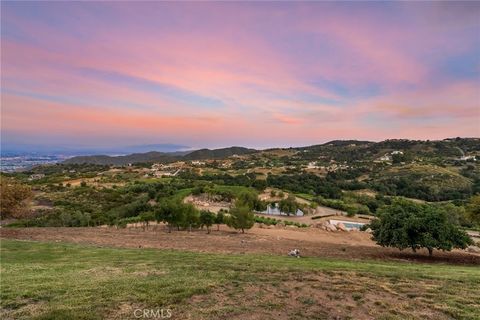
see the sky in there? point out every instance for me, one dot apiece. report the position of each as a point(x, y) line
point(256, 74)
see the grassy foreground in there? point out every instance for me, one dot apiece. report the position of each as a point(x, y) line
point(62, 281)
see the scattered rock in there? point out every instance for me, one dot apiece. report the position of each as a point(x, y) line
point(331, 227)
point(340, 226)
point(368, 230)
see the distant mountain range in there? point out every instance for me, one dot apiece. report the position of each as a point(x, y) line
point(338, 150)
point(155, 156)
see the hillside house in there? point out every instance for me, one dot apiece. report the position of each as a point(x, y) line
point(36, 176)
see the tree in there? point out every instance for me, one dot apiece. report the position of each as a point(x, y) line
point(219, 219)
point(250, 200)
point(207, 219)
point(241, 217)
point(405, 224)
point(192, 216)
point(13, 198)
point(260, 185)
point(146, 217)
point(171, 213)
point(289, 205)
point(473, 210)
point(247, 198)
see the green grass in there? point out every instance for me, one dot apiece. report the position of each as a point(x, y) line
point(56, 280)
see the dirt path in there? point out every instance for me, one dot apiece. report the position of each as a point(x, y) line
point(311, 242)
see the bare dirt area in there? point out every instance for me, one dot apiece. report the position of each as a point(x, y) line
point(203, 202)
point(316, 296)
point(311, 242)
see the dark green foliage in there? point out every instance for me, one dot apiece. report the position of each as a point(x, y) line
point(217, 153)
point(250, 199)
point(305, 183)
point(170, 212)
point(412, 187)
point(260, 185)
point(220, 218)
point(191, 216)
point(288, 205)
point(266, 220)
point(473, 210)
point(241, 217)
point(177, 214)
point(146, 217)
point(405, 224)
point(207, 219)
point(246, 180)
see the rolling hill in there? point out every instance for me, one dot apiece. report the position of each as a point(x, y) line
point(350, 151)
point(154, 156)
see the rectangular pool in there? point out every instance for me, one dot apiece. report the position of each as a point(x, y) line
point(348, 224)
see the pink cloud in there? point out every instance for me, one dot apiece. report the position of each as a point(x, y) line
point(279, 74)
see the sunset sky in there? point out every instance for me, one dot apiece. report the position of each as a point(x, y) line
point(251, 74)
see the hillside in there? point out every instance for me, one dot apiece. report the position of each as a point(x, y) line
point(223, 153)
point(155, 156)
point(353, 151)
point(152, 156)
point(350, 151)
point(428, 182)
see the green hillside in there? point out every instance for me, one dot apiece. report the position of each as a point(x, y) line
point(428, 182)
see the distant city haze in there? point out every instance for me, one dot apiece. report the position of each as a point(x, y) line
point(105, 75)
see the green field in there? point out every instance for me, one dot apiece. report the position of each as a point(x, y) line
point(67, 281)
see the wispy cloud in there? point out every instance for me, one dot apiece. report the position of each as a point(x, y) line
point(215, 73)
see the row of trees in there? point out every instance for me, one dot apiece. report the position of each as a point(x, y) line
point(185, 216)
